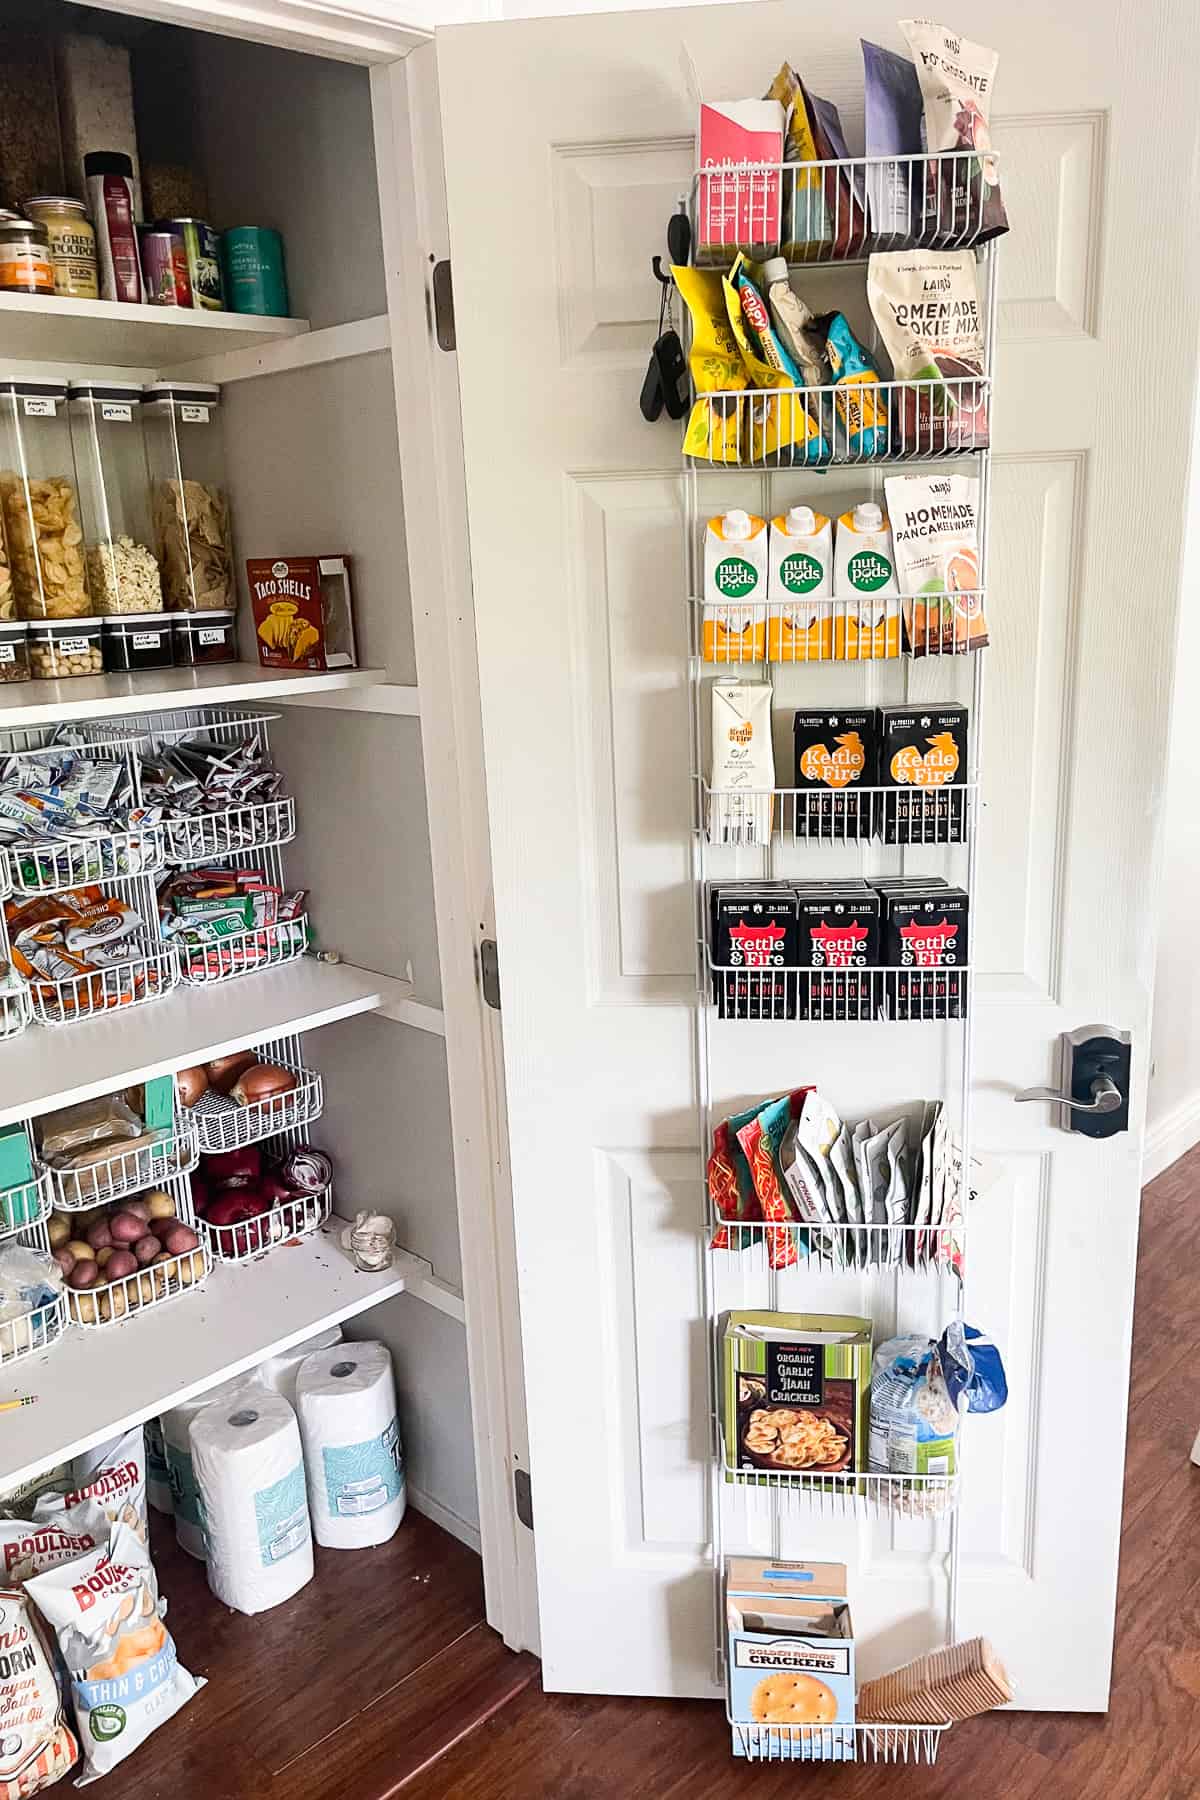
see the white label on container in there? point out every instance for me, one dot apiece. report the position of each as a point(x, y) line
point(8, 653)
point(194, 415)
point(209, 636)
point(71, 646)
point(146, 640)
point(117, 411)
point(40, 406)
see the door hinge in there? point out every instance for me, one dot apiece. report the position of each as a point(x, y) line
point(443, 305)
point(523, 1496)
point(489, 972)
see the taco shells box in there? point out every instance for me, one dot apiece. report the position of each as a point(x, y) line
point(796, 1391)
point(302, 612)
point(790, 1658)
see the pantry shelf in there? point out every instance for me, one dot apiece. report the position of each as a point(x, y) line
point(159, 690)
point(115, 334)
point(41, 1069)
point(95, 1384)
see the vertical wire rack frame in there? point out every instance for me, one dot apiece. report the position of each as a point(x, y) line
point(895, 1249)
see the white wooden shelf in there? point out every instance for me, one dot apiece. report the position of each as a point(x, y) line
point(158, 690)
point(94, 1384)
point(117, 335)
point(43, 1069)
point(332, 343)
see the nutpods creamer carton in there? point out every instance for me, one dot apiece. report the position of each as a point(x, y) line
point(864, 569)
point(735, 587)
point(799, 580)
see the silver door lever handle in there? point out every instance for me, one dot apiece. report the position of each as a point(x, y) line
point(1106, 1097)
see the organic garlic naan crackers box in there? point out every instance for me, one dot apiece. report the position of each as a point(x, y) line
point(796, 1391)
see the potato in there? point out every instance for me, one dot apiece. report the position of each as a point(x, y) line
point(83, 1274)
point(86, 1310)
point(120, 1264)
point(60, 1230)
point(98, 1235)
point(179, 1239)
point(126, 1228)
point(103, 1255)
point(80, 1250)
point(147, 1248)
point(64, 1259)
point(113, 1305)
point(161, 1204)
point(140, 1208)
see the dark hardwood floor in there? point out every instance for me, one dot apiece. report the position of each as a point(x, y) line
point(381, 1679)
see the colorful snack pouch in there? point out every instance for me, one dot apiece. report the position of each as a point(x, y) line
point(842, 1170)
point(895, 190)
point(797, 328)
point(963, 202)
point(781, 427)
point(715, 428)
point(844, 194)
point(861, 413)
point(926, 306)
point(761, 1139)
point(759, 329)
point(806, 228)
point(730, 1183)
point(935, 539)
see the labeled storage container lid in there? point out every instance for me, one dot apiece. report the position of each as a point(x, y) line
point(65, 627)
point(12, 628)
point(50, 390)
point(105, 390)
point(183, 393)
point(205, 615)
point(130, 621)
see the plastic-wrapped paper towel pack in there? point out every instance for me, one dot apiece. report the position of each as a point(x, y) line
point(250, 1471)
point(177, 1447)
point(346, 1402)
point(280, 1371)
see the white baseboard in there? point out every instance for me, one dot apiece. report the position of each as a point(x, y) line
point(1171, 1137)
point(441, 1515)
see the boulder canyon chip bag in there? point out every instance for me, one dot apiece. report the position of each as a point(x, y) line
point(37, 1748)
point(125, 1678)
point(27, 1546)
point(926, 306)
point(111, 1476)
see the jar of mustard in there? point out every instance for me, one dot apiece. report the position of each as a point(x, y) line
point(72, 244)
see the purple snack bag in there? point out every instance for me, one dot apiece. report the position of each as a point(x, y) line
point(895, 113)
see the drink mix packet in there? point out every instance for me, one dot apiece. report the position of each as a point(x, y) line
point(962, 202)
point(925, 304)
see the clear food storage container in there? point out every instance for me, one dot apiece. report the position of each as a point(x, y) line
point(191, 511)
point(39, 495)
point(137, 641)
point(209, 637)
point(61, 647)
point(114, 476)
point(14, 650)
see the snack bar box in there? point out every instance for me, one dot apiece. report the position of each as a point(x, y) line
point(789, 1665)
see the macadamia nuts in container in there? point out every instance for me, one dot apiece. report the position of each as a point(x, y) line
point(114, 477)
point(63, 648)
point(39, 497)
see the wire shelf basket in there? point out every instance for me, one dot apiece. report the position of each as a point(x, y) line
point(284, 1224)
point(910, 814)
point(857, 992)
point(832, 426)
point(244, 952)
point(136, 728)
point(5, 876)
point(77, 861)
point(846, 630)
point(125, 1172)
point(24, 1205)
point(34, 1331)
point(863, 1492)
point(151, 975)
point(115, 1301)
point(200, 837)
point(861, 1742)
point(838, 212)
point(832, 1247)
point(237, 1126)
point(15, 1011)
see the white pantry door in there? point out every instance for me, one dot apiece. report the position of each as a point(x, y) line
point(567, 142)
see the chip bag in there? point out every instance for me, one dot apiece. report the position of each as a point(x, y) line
point(120, 1658)
point(806, 228)
point(37, 1747)
point(715, 360)
point(761, 1138)
point(111, 1477)
point(861, 412)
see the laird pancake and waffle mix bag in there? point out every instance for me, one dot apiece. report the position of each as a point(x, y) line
point(125, 1678)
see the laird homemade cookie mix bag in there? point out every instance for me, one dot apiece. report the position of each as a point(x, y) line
point(926, 305)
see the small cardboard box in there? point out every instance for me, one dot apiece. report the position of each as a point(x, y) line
point(923, 755)
point(789, 1660)
point(739, 201)
point(797, 1389)
point(302, 612)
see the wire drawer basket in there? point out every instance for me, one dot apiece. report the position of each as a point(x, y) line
point(284, 1224)
point(202, 837)
point(244, 952)
point(234, 1127)
point(25, 1205)
point(79, 861)
point(862, 1742)
point(143, 978)
point(125, 1172)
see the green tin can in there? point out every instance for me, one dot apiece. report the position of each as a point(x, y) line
point(255, 279)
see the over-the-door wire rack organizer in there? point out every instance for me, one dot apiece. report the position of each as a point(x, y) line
point(761, 436)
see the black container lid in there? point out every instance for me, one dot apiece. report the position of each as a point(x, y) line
point(107, 162)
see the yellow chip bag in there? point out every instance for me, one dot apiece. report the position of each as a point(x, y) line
point(716, 364)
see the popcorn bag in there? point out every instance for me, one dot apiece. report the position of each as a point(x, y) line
point(37, 1747)
point(120, 1658)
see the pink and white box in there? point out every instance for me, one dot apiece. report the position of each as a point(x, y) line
point(739, 210)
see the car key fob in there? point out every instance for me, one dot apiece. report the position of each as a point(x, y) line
point(651, 401)
point(672, 374)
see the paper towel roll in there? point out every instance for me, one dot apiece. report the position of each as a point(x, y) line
point(176, 1428)
point(280, 1371)
point(250, 1470)
point(346, 1401)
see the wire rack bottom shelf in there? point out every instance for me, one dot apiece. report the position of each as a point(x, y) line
point(861, 1742)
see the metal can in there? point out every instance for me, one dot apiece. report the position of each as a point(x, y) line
point(25, 266)
point(164, 267)
point(72, 244)
point(255, 281)
point(202, 249)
